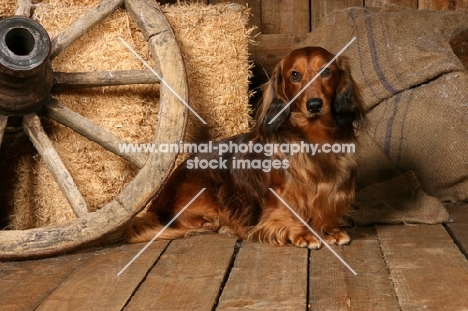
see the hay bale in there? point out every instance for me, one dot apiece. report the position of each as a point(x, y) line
point(7, 8)
point(213, 41)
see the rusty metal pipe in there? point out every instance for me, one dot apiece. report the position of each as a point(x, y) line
point(26, 74)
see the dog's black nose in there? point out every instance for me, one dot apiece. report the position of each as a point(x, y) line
point(314, 105)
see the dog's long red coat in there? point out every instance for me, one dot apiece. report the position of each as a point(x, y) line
point(319, 187)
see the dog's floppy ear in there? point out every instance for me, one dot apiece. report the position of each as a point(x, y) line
point(347, 106)
point(274, 100)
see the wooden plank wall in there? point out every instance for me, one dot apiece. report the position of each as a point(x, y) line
point(281, 23)
point(295, 17)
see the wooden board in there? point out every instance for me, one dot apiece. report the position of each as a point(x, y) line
point(459, 213)
point(96, 286)
point(268, 50)
point(442, 5)
point(266, 278)
point(285, 17)
point(333, 287)
point(188, 275)
point(25, 284)
point(458, 229)
point(320, 8)
point(424, 264)
point(420, 265)
point(460, 236)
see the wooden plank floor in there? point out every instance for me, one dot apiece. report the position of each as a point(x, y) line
point(398, 268)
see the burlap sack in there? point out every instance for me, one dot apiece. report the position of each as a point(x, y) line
point(414, 89)
point(385, 195)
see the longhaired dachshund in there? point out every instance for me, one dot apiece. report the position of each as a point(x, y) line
point(237, 200)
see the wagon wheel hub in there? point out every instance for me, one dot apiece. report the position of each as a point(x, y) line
point(26, 74)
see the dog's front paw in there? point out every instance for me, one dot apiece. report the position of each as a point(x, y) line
point(306, 240)
point(337, 237)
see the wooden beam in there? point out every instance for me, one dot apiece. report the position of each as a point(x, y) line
point(93, 132)
point(76, 80)
point(33, 128)
point(82, 25)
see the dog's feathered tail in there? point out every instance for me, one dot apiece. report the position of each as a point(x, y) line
point(146, 226)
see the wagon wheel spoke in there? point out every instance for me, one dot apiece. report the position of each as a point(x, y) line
point(82, 25)
point(60, 113)
point(23, 8)
point(3, 124)
point(76, 80)
point(108, 222)
point(33, 128)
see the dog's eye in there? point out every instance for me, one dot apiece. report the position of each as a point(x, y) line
point(295, 76)
point(326, 72)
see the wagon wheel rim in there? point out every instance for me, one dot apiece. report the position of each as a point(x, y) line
point(108, 222)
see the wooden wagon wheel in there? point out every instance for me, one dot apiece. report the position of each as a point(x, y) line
point(26, 80)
